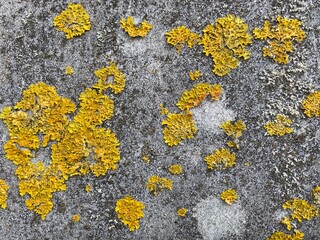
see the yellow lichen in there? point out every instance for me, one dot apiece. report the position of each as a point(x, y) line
point(311, 105)
point(78, 147)
point(229, 196)
point(301, 209)
point(163, 110)
point(175, 169)
point(135, 31)
point(69, 70)
point(180, 36)
point(225, 41)
point(280, 38)
point(287, 222)
point(280, 126)
point(156, 183)
point(146, 159)
point(118, 83)
point(193, 97)
point(316, 195)
point(297, 235)
point(76, 218)
point(130, 211)
point(73, 21)
point(233, 130)
point(88, 188)
point(182, 212)
point(220, 159)
point(179, 126)
point(195, 75)
point(3, 193)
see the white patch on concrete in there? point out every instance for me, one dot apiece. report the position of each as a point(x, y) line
point(211, 114)
point(218, 220)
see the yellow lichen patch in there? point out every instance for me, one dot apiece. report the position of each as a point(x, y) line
point(156, 183)
point(316, 195)
point(69, 70)
point(225, 41)
point(182, 35)
point(175, 169)
point(135, 31)
point(233, 130)
point(76, 218)
point(195, 75)
point(88, 188)
point(78, 147)
point(118, 83)
point(179, 126)
point(311, 105)
point(130, 211)
point(73, 21)
point(182, 212)
point(163, 110)
point(280, 38)
point(146, 159)
point(193, 97)
point(3, 193)
point(220, 159)
point(297, 235)
point(229, 196)
point(280, 126)
point(287, 222)
point(301, 209)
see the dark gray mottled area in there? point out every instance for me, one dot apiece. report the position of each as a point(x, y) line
point(282, 168)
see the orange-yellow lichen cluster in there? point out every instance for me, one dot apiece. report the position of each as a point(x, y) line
point(156, 183)
point(3, 193)
point(76, 218)
point(280, 126)
point(180, 36)
point(297, 235)
point(225, 42)
point(316, 195)
point(229, 196)
point(73, 21)
point(80, 146)
point(175, 169)
point(311, 105)
point(195, 75)
point(220, 159)
point(135, 31)
point(280, 38)
point(234, 131)
point(301, 209)
point(69, 70)
point(130, 211)
point(182, 212)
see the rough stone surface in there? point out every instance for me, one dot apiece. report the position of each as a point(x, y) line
point(282, 168)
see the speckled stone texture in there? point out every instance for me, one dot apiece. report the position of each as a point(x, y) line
point(281, 168)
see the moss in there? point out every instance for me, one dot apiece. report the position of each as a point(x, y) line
point(69, 70)
point(297, 235)
point(156, 184)
point(175, 169)
point(130, 211)
point(311, 105)
point(182, 35)
point(73, 21)
point(135, 31)
point(280, 38)
point(193, 97)
point(225, 42)
point(195, 75)
point(280, 126)
point(3, 193)
point(229, 196)
point(301, 209)
point(220, 159)
point(182, 212)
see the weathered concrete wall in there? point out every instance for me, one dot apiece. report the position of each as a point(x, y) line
point(282, 168)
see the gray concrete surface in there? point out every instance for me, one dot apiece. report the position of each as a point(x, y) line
point(281, 168)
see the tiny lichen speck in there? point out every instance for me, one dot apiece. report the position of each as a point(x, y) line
point(130, 211)
point(195, 75)
point(280, 126)
point(135, 31)
point(73, 21)
point(69, 70)
point(175, 169)
point(3, 193)
point(156, 183)
point(316, 195)
point(225, 41)
point(181, 35)
point(220, 159)
point(281, 37)
point(76, 218)
point(311, 105)
point(229, 196)
point(182, 212)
